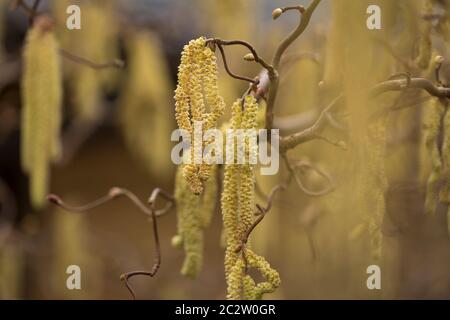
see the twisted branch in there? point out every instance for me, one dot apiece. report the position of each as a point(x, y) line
point(150, 211)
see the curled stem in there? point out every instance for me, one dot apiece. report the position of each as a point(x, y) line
point(157, 264)
point(297, 32)
point(306, 165)
point(150, 211)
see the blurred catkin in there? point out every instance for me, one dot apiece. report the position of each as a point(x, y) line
point(144, 112)
point(12, 266)
point(70, 234)
point(41, 115)
point(97, 41)
point(194, 214)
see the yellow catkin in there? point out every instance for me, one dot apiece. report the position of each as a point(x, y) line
point(41, 115)
point(425, 44)
point(97, 42)
point(272, 277)
point(143, 112)
point(444, 193)
point(249, 288)
point(209, 198)
point(197, 99)
point(194, 214)
point(190, 235)
point(230, 200)
point(235, 279)
point(436, 114)
point(12, 267)
point(238, 208)
point(70, 245)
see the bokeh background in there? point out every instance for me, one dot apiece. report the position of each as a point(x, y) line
point(310, 241)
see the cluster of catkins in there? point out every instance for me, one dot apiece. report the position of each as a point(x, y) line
point(197, 100)
point(41, 114)
point(196, 190)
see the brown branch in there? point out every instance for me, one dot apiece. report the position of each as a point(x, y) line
point(304, 21)
point(414, 83)
point(151, 211)
point(83, 61)
point(233, 75)
point(313, 132)
point(34, 10)
point(256, 57)
point(114, 193)
point(310, 133)
point(304, 164)
point(157, 264)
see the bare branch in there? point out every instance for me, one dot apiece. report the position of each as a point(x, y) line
point(83, 61)
point(304, 21)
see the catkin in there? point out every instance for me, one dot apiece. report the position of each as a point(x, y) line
point(272, 277)
point(435, 119)
point(197, 99)
point(41, 114)
point(194, 214)
point(144, 111)
point(238, 207)
point(425, 44)
point(97, 42)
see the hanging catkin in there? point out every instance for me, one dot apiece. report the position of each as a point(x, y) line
point(436, 114)
point(197, 100)
point(96, 41)
point(144, 106)
point(425, 44)
point(41, 113)
point(238, 207)
point(194, 213)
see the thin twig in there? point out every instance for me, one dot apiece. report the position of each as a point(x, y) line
point(34, 10)
point(114, 193)
point(157, 264)
point(313, 132)
point(233, 75)
point(303, 164)
point(256, 56)
point(304, 21)
point(83, 61)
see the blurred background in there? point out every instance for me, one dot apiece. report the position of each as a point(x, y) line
point(116, 132)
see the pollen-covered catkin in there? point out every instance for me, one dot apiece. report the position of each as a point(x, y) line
point(197, 99)
point(41, 115)
point(235, 280)
point(238, 208)
point(272, 277)
point(230, 198)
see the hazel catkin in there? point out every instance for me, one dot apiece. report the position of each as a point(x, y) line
point(197, 99)
point(41, 115)
point(194, 214)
